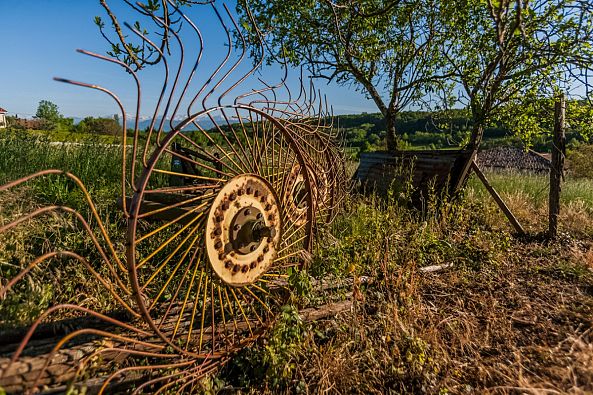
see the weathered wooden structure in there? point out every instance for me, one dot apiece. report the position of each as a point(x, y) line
point(513, 158)
point(557, 166)
point(423, 171)
point(424, 175)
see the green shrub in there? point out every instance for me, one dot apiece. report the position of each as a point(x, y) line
point(580, 161)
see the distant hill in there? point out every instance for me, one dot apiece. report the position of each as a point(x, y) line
point(205, 122)
point(428, 130)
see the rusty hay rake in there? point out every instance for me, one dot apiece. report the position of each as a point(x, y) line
point(216, 218)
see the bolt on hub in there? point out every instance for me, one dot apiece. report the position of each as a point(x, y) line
point(243, 230)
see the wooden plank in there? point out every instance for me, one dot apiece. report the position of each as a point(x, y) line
point(557, 168)
point(509, 214)
point(14, 378)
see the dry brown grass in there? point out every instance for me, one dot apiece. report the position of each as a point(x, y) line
point(525, 328)
point(511, 316)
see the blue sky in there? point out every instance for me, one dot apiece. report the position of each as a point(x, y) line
point(39, 39)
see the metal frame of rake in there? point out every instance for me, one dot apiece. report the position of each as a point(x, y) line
point(209, 246)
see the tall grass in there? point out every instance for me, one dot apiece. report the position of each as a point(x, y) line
point(535, 187)
point(97, 165)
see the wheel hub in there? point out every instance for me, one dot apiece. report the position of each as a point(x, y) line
point(243, 230)
point(296, 200)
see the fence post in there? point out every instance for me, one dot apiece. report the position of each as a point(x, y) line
point(557, 167)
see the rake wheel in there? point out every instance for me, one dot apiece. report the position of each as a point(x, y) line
point(233, 226)
point(325, 167)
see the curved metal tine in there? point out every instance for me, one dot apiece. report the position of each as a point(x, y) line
point(296, 105)
point(192, 377)
point(133, 353)
point(162, 367)
point(250, 148)
point(181, 62)
point(161, 95)
point(215, 87)
point(136, 121)
point(196, 64)
point(266, 101)
point(195, 98)
point(88, 199)
point(91, 332)
point(317, 114)
point(262, 45)
point(327, 120)
point(36, 262)
point(249, 73)
point(330, 115)
point(288, 103)
point(214, 74)
point(123, 112)
point(258, 150)
point(168, 28)
point(85, 224)
point(269, 88)
point(50, 310)
point(175, 81)
point(322, 113)
point(303, 94)
point(282, 62)
point(228, 55)
point(206, 367)
point(312, 98)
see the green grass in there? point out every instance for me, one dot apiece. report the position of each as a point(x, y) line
point(535, 188)
point(97, 165)
point(64, 136)
point(408, 332)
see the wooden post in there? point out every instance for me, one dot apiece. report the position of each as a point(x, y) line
point(505, 209)
point(557, 167)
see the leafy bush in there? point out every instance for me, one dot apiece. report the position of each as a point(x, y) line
point(580, 161)
point(275, 360)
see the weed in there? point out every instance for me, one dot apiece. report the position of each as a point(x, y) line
point(274, 360)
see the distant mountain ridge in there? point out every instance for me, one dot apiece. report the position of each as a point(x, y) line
point(205, 122)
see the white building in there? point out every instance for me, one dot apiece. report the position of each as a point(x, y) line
point(3, 122)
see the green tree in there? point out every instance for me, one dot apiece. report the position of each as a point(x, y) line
point(93, 125)
point(137, 54)
point(502, 51)
point(49, 113)
point(388, 49)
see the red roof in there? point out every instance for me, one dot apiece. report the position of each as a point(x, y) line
point(2, 110)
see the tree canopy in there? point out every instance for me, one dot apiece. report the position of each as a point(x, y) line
point(503, 52)
point(494, 52)
point(388, 49)
point(49, 113)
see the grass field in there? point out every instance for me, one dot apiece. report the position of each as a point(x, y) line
point(527, 196)
point(509, 316)
point(535, 188)
point(63, 136)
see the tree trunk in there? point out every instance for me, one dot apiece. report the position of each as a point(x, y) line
point(476, 137)
point(391, 135)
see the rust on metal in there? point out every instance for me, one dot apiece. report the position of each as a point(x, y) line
point(216, 218)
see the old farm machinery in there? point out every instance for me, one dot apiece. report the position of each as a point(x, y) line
point(216, 217)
